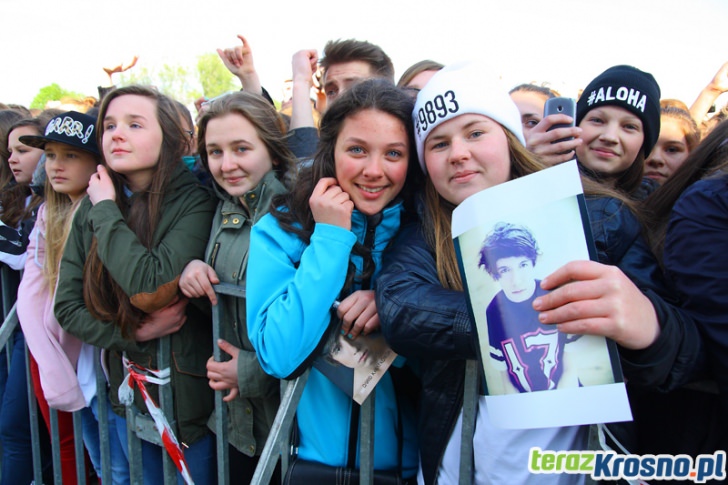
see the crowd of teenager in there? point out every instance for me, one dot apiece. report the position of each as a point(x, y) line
point(334, 212)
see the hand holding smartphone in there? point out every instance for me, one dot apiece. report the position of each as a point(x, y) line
point(566, 106)
point(560, 146)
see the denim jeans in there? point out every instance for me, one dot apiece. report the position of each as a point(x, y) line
point(17, 457)
point(3, 371)
point(118, 447)
point(200, 456)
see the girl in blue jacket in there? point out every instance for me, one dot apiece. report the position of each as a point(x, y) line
point(323, 244)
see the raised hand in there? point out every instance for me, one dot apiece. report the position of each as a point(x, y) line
point(120, 68)
point(100, 186)
point(540, 140)
point(717, 86)
point(304, 65)
point(331, 205)
point(239, 61)
point(719, 82)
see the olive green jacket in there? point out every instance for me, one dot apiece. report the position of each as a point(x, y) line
point(150, 278)
point(251, 414)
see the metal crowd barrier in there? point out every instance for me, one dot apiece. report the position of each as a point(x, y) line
point(278, 443)
point(277, 447)
point(139, 427)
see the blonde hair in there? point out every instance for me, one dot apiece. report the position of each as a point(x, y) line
point(59, 216)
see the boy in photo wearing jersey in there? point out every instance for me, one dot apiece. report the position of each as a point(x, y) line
point(531, 351)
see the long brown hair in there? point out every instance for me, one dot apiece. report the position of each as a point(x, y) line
point(58, 216)
point(709, 157)
point(104, 298)
point(13, 208)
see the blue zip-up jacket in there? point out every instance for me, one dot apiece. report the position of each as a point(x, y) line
point(291, 288)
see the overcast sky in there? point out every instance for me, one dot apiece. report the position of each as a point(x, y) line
point(565, 42)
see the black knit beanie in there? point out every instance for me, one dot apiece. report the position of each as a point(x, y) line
point(629, 88)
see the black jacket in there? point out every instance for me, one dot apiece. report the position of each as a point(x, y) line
point(424, 321)
point(696, 260)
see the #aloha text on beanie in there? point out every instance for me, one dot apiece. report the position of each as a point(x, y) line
point(629, 88)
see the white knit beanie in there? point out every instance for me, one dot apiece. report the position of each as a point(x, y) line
point(463, 88)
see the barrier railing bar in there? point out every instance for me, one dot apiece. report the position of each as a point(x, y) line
point(221, 418)
point(279, 437)
point(7, 329)
point(470, 401)
point(164, 360)
point(55, 446)
point(136, 476)
point(285, 447)
point(366, 441)
point(79, 448)
point(102, 407)
point(230, 289)
point(34, 428)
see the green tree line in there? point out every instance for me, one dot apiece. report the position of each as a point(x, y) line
point(208, 78)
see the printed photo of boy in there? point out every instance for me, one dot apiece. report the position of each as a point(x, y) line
point(532, 352)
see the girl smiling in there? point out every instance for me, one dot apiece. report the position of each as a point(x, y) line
point(324, 243)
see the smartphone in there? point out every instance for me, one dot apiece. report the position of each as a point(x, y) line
point(565, 106)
